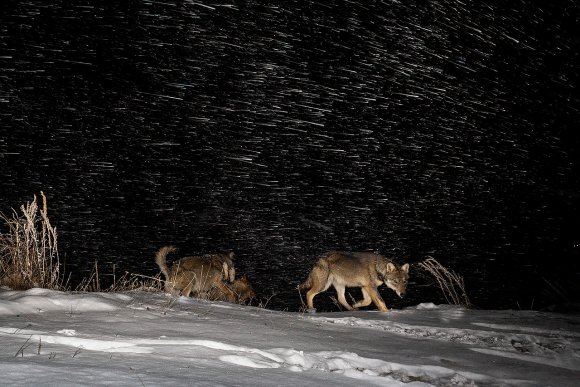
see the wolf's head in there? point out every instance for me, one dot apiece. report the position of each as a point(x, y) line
point(244, 290)
point(395, 277)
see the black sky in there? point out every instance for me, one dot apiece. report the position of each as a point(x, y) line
point(282, 131)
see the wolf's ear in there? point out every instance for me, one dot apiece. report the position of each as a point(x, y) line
point(405, 267)
point(390, 267)
point(231, 255)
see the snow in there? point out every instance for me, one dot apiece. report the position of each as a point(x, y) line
point(150, 339)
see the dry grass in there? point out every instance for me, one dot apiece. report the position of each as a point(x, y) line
point(263, 303)
point(130, 281)
point(28, 250)
point(125, 282)
point(450, 283)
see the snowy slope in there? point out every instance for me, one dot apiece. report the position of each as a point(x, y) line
point(139, 338)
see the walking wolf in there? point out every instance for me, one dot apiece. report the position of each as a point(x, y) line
point(355, 269)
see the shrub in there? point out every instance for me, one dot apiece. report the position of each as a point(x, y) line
point(124, 283)
point(28, 250)
point(450, 283)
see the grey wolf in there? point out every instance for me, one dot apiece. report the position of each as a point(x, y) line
point(242, 289)
point(197, 274)
point(356, 269)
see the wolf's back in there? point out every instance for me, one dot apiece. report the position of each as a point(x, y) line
point(161, 260)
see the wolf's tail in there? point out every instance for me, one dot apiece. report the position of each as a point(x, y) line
point(320, 267)
point(306, 284)
point(160, 259)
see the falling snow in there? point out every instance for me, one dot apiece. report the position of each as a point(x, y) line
point(281, 131)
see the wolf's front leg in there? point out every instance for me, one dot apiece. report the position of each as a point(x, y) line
point(377, 299)
point(366, 301)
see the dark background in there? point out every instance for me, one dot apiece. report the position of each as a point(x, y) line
point(281, 131)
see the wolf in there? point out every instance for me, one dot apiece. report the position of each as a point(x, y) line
point(242, 289)
point(197, 274)
point(355, 269)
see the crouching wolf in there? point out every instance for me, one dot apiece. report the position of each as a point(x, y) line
point(356, 269)
point(242, 289)
point(197, 274)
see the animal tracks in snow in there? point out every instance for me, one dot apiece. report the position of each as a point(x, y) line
point(518, 342)
point(354, 366)
point(345, 363)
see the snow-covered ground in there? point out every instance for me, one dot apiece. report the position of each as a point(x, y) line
point(149, 339)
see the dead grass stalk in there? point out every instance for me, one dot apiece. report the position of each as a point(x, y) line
point(450, 283)
point(29, 250)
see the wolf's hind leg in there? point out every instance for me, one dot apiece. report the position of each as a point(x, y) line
point(310, 297)
point(187, 290)
point(318, 279)
point(366, 301)
point(340, 293)
point(169, 288)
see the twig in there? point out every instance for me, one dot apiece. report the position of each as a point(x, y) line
point(21, 350)
point(138, 377)
point(262, 304)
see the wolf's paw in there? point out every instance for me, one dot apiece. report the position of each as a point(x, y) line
point(311, 310)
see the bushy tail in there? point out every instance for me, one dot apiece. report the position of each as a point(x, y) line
point(320, 266)
point(160, 259)
point(306, 284)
